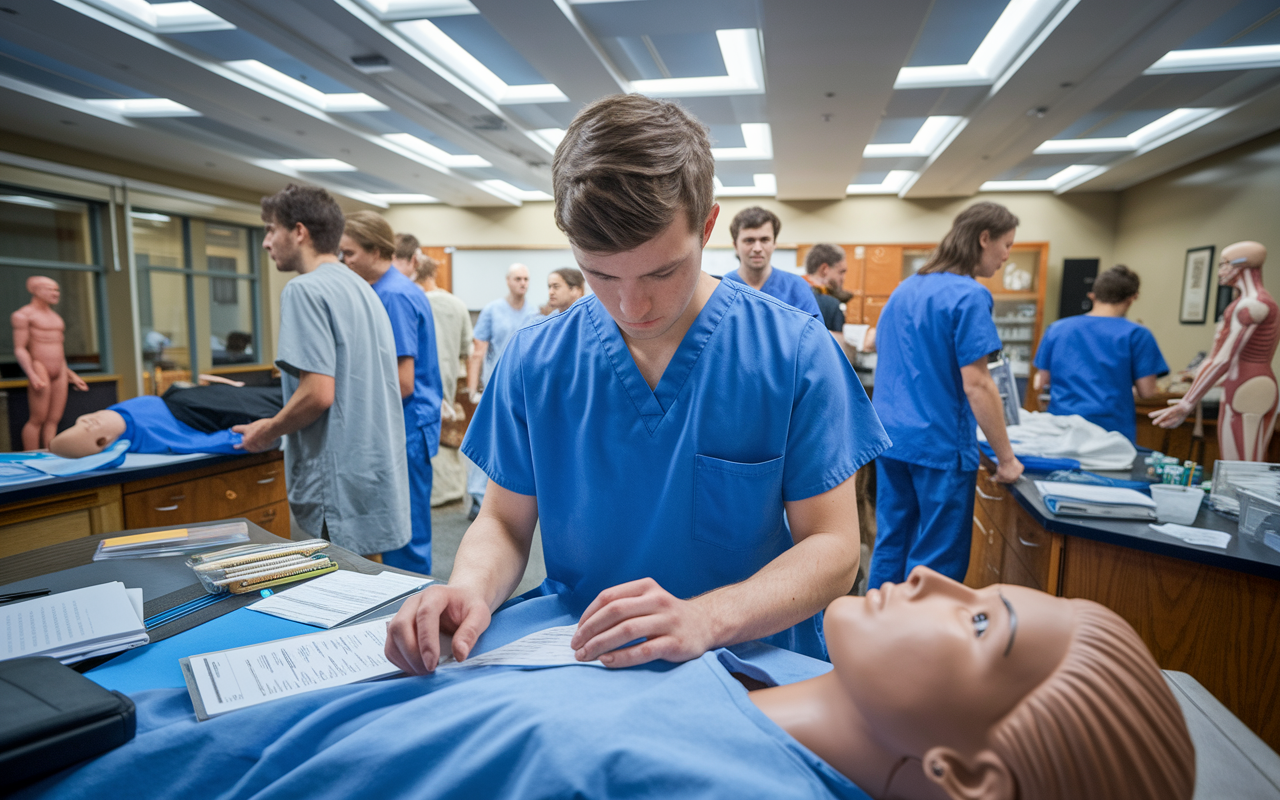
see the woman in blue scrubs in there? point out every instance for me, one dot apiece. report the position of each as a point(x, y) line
point(1092, 363)
point(932, 389)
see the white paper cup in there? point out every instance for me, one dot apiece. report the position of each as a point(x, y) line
point(1177, 504)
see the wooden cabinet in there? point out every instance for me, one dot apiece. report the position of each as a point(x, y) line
point(1009, 546)
point(32, 524)
point(256, 491)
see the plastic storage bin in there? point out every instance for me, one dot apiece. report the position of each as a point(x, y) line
point(1259, 515)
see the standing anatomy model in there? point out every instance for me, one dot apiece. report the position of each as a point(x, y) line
point(38, 334)
point(1242, 351)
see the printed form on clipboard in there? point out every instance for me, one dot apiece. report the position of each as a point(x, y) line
point(1085, 500)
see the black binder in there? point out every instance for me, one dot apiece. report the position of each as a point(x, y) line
point(52, 717)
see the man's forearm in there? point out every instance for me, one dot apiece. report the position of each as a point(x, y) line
point(473, 371)
point(490, 559)
point(988, 410)
point(302, 409)
point(793, 587)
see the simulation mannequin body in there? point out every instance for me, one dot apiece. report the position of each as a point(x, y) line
point(38, 337)
point(1242, 351)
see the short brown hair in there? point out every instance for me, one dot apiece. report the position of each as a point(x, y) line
point(572, 277)
point(627, 165)
point(961, 250)
point(1116, 285)
point(754, 217)
point(406, 245)
point(425, 268)
point(821, 254)
point(372, 232)
point(313, 207)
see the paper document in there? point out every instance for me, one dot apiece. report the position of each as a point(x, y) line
point(71, 626)
point(330, 600)
point(1190, 535)
point(546, 648)
point(1089, 493)
point(246, 676)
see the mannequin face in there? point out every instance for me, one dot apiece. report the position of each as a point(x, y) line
point(91, 434)
point(995, 252)
point(45, 289)
point(1238, 257)
point(930, 662)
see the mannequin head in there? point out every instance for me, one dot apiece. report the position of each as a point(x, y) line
point(1007, 692)
point(91, 434)
point(46, 289)
point(1238, 257)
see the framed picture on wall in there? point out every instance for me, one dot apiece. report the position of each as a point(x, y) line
point(1195, 285)
point(1225, 295)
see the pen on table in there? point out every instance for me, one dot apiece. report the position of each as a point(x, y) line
point(8, 598)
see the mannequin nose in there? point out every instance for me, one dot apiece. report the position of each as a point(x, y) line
point(923, 582)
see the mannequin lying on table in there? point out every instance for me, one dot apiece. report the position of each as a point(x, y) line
point(187, 419)
point(937, 691)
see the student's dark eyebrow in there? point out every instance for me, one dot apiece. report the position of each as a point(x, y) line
point(1013, 624)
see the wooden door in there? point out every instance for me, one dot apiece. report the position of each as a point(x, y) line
point(871, 308)
point(444, 273)
point(883, 269)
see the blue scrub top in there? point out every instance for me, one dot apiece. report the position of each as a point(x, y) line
point(414, 329)
point(685, 483)
point(150, 427)
point(1093, 363)
point(788, 288)
point(932, 326)
point(497, 321)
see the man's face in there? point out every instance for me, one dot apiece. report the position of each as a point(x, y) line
point(648, 289)
point(518, 282)
point(559, 293)
point(834, 278)
point(279, 242)
point(755, 246)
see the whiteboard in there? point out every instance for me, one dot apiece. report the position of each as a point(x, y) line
point(480, 276)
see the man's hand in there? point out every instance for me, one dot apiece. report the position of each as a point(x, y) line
point(76, 381)
point(257, 436)
point(1173, 416)
point(1008, 470)
point(413, 635)
point(676, 630)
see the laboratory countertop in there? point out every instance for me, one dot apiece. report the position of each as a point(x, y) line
point(1240, 555)
point(137, 467)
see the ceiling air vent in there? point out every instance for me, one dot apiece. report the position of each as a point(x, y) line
point(371, 63)
point(488, 122)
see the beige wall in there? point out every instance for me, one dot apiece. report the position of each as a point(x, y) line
point(1226, 198)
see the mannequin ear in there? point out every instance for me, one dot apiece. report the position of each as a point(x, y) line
point(983, 777)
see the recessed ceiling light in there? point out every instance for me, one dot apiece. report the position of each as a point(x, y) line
point(892, 184)
point(740, 49)
point(1178, 120)
point(317, 165)
point(758, 145)
point(1054, 182)
point(931, 135)
point(764, 184)
point(516, 192)
point(1217, 59)
point(436, 156)
point(401, 199)
point(146, 107)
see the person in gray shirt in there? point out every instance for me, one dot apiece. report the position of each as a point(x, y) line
point(342, 421)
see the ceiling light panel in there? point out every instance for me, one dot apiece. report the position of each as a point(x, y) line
point(37, 68)
point(273, 78)
point(317, 165)
point(165, 17)
point(1217, 59)
point(395, 10)
point(434, 42)
point(1162, 130)
point(891, 183)
point(757, 144)
point(1076, 173)
point(434, 155)
point(393, 199)
point(146, 107)
point(763, 184)
point(744, 68)
point(931, 134)
point(516, 192)
point(954, 30)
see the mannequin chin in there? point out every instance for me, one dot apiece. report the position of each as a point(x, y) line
point(91, 434)
point(939, 690)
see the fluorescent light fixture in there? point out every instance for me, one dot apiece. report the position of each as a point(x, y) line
point(435, 43)
point(23, 200)
point(1018, 31)
point(389, 10)
point(146, 107)
point(400, 199)
point(550, 137)
point(149, 216)
point(740, 49)
point(1216, 59)
point(931, 134)
point(275, 79)
point(166, 17)
point(520, 194)
point(758, 145)
point(892, 184)
point(436, 157)
point(1072, 173)
point(1181, 120)
point(317, 165)
point(765, 185)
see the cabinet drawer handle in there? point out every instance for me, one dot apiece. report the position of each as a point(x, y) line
point(986, 496)
point(173, 507)
point(1025, 543)
point(267, 480)
point(981, 527)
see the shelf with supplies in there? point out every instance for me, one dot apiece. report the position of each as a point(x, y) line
point(1017, 289)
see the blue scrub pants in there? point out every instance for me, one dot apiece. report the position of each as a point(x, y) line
point(416, 555)
point(923, 516)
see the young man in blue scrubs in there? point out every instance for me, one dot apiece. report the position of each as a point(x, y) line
point(755, 236)
point(933, 388)
point(657, 430)
point(1092, 363)
point(367, 247)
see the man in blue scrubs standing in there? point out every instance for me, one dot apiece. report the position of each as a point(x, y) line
point(367, 247)
point(755, 236)
point(657, 430)
point(933, 388)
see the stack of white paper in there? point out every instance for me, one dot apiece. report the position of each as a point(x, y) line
point(75, 625)
point(330, 600)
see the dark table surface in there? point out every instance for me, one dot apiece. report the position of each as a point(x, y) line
point(1240, 555)
point(107, 477)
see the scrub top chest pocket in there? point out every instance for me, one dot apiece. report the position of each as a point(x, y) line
point(736, 506)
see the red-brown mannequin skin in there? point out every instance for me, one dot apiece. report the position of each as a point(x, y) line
point(1242, 351)
point(91, 434)
point(908, 710)
point(38, 336)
